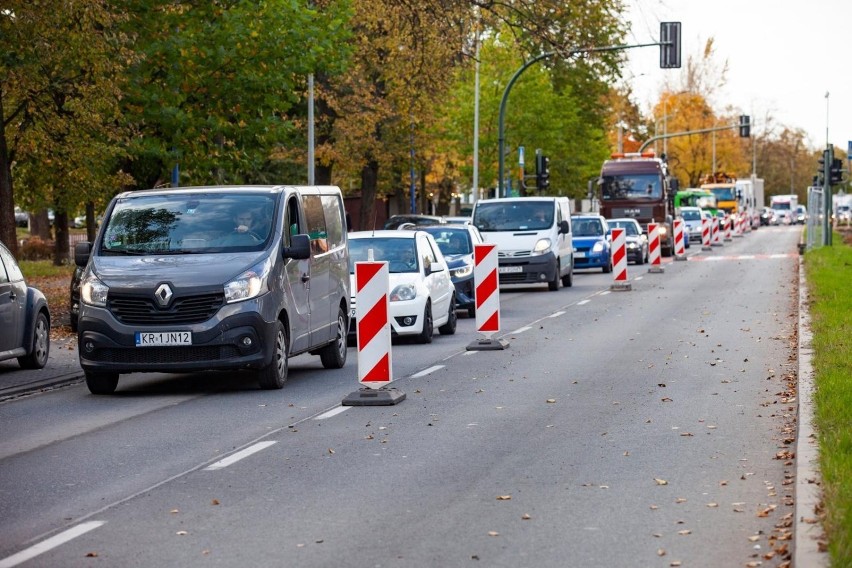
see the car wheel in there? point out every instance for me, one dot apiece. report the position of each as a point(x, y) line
point(333, 355)
point(608, 267)
point(568, 279)
point(101, 383)
point(553, 285)
point(40, 347)
point(449, 328)
point(275, 374)
point(428, 326)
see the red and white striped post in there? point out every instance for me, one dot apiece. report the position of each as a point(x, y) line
point(729, 221)
point(619, 261)
point(705, 234)
point(680, 247)
point(716, 239)
point(375, 366)
point(654, 249)
point(486, 293)
point(739, 226)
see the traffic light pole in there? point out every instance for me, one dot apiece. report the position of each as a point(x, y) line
point(826, 196)
point(686, 133)
point(501, 139)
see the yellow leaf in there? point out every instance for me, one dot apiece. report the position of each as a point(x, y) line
point(182, 533)
point(526, 516)
point(684, 532)
point(551, 400)
point(503, 497)
point(661, 552)
point(661, 481)
point(493, 533)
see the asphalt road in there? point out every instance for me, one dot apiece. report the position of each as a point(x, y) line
point(637, 428)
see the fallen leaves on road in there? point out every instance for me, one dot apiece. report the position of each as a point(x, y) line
point(661, 481)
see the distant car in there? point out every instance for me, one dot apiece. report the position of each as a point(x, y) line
point(457, 219)
point(636, 240)
point(24, 317)
point(767, 215)
point(801, 214)
point(692, 219)
point(422, 295)
point(591, 243)
point(394, 221)
point(22, 218)
point(456, 243)
point(783, 217)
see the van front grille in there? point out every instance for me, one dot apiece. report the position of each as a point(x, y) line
point(136, 310)
point(159, 355)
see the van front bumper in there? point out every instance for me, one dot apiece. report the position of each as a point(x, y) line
point(539, 269)
point(241, 341)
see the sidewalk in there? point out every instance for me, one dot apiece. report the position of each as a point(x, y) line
point(63, 366)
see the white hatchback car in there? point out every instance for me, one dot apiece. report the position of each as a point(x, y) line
point(422, 295)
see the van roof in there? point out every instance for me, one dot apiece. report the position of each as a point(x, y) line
point(230, 189)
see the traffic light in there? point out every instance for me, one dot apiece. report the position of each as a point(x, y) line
point(542, 172)
point(669, 45)
point(745, 126)
point(836, 171)
point(820, 177)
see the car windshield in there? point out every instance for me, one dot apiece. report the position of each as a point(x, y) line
point(640, 186)
point(588, 228)
point(510, 215)
point(189, 223)
point(452, 242)
point(400, 254)
point(691, 215)
point(630, 228)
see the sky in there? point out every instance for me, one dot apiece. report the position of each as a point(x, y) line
point(783, 57)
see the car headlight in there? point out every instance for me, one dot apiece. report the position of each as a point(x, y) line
point(461, 272)
point(598, 246)
point(403, 292)
point(93, 291)
point(661, 230)
point(542, 246)
point(249, 284)
point(631, 245)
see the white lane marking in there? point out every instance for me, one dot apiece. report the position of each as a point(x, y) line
point(778, 256)
point(559, 313)
point(234, 458)
point(466, 353)
point(581, 302)
point(49, 544)
point(428, 371)
point(605, 292)
point(716, 258)
point(745, 257)
point(522, 329)
point(639, 278)
point(332, 412)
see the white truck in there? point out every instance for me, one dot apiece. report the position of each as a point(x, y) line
point(750, 199)
point(785, 208)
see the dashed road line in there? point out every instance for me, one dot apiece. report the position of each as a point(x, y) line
point(428, 371)
point(332, 412)
point(581, 302)
point(49, 544)
point(521, 329)
point(242, 454)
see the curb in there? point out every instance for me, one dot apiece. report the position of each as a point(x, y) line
point(808, 528)
point(40, 386)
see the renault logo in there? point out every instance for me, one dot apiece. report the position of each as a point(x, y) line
point(163, 295)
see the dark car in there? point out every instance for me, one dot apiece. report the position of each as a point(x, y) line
point(22, 218)
point(635, 240)
point(456, 243)
point(395, 221)
point(24, 317)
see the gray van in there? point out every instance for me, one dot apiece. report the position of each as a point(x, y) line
point(218, 278)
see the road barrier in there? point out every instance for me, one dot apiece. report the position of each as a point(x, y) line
point(706, 230)
point(375, 362)
point(486, 292)
point(680, 247)
point(729, 221)
point(716, 238)
point(619, 261)
point(654, 248)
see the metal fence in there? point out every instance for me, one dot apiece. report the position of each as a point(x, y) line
point(816, 217)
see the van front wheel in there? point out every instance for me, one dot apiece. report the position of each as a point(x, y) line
point(101, 383)
point(553, 285)
point(275, 374)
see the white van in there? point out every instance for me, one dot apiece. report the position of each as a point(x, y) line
point(533, 238)
point(218, 278)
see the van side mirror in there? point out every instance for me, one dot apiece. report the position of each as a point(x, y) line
point(564, 227)
point(82, 251)
point(300, 247)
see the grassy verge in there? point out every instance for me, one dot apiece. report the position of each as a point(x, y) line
point(33, 269)
point(829, 275)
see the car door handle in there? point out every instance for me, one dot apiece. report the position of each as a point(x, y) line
point(305, 277)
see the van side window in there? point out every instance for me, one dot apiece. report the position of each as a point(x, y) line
point(291, 220)
point(333, 221)
point(316, 223)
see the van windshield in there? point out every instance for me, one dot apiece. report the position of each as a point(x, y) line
point(513, 215)
point(189, 223)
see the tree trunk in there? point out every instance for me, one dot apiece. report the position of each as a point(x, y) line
point(369, 178)
point(60, 249)
point(40, 225)
point(8, 234)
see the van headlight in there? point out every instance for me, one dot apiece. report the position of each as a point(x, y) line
point(93, 291)
point(249, 284)
point(462, 271)
point(403, 292)
point(542, 246)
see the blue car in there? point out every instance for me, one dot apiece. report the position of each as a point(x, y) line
point(456, 244)
point(591, 242)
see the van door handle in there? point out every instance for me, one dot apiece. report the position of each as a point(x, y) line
point(305, 277)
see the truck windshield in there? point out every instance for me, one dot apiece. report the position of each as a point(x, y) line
point(646, 186)
point(189, 223)
point(723, 193)
point(512, 215)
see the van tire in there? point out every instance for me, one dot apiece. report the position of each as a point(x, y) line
point(568, 279)
point(553, 285)
point(333, 355)
point(274, 375)
point(449, 328)
point(101, 383)
point(428, 326)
